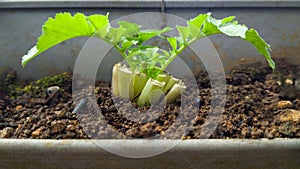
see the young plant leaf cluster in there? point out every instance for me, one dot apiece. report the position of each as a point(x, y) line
point(144, 80)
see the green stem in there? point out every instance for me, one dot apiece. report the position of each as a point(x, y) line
point(137, 84)
point(150, 86)
point(157, 97)
point(124, 80)
point(120, 51)
point(115, 79)
point(176, 91)
point(174, 55)
point(163, 77)
point(170, 83)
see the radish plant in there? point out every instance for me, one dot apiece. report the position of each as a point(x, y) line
point(143, 80)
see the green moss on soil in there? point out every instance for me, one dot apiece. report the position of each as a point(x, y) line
point(36, 88)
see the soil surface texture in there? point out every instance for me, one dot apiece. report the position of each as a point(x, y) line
point(259, 104)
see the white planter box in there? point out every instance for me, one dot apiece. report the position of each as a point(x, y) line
point(217, 154)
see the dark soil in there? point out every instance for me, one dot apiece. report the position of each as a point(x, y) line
point(259, 104)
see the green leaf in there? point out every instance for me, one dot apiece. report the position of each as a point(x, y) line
point(225, 26)
point(210, 26)
point(232, 28)
point(199, 20)
point(261, 46)
point(101, 23)
point(129, 39)
point(30, 55)
point(142, 36)
point(114, 35)
point(165, 53)
point(64, 27)
point(195, 25)
point(173, 42)
point(183, 32)
point(194, 32)
point(130, 29)
point(228, 19)
point(148, 34)
point(180, 40)
point(125, 44)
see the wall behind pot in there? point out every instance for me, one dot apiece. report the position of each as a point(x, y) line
point(278, 22)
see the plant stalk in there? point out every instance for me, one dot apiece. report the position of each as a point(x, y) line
point(175, 91)
point(124, 80)
point(137, 84)
point(115, 79)
point(171, 82)
point(149, 87)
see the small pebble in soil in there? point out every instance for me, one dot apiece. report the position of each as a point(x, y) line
point(58, 126)
point(289, 115)
point(288, 82)
point(284, 128)
point(71, 127)
point(60, 113)
point(36, 133)
point(283, 104)
point(269, 135)
point(7, 132)
point(19, 107)
point(52, 90)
